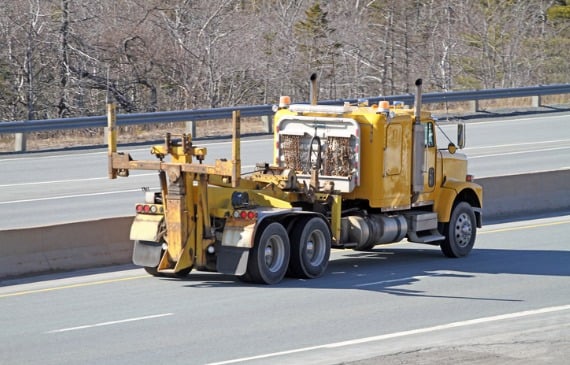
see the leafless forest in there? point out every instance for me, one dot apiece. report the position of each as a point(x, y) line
point(62, 58)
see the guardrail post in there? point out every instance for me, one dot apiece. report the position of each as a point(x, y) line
point(474, 106)
point(191, 128)
point(268, 123)
point(20, 142)
point(536, 101)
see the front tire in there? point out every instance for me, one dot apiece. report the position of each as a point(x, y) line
point(310, 248)
point(460, 232)
point(269, 258)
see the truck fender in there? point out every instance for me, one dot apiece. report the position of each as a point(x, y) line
point(145, 231)
point(238, 236)
point(444, 204)
point(450, 192)
point(146, 227)
point(239, 239)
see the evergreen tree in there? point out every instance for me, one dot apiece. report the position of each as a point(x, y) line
point(317, 50)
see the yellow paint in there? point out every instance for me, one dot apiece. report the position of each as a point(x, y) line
point(111, 139)
point(520, 228)
point(386, 162)
point(336, 218)
point(72, 286)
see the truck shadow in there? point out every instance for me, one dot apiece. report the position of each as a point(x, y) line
point(395, 270)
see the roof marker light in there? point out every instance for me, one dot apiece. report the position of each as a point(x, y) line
point(284, 101)
point(384, 106)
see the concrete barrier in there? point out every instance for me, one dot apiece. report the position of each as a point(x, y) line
point(65, 247)
point(104, 242)
point(510, 196)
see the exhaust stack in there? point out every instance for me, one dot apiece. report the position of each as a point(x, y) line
point(314, 89)
point(418, 100)
point(418, 145)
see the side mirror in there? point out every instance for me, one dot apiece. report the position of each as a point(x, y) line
point(451, 148)
point(461, 131)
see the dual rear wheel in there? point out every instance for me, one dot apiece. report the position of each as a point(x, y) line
point(303, 253)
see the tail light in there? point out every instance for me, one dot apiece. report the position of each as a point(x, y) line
point(245, 214)
point(149, 209)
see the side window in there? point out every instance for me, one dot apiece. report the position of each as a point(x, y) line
point(429, 136)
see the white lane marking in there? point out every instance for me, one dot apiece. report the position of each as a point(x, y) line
point(128, 150)
point(79, 195)
point(110, 323)
point(69, 196)
point(70, 181)
point(388, 336)
point(504, 121)
point(87, 179)
point(517, 144)
point(519, 152)
point(35, 158)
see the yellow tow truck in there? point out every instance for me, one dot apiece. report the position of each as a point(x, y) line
point(342, 176)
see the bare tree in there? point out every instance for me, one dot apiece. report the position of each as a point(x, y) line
point(64, 58)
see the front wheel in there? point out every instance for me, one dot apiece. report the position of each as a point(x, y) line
point(269, 258)
point(460, 232)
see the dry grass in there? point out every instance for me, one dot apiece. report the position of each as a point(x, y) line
point(132, 134)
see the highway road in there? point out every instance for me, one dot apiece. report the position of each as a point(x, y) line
point(53, 187)
point(508, 302)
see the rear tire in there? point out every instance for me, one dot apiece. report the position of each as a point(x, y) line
point(460, 232)
point(155, 252)
point(310, 248)
point(269, 258)
point(152, 271)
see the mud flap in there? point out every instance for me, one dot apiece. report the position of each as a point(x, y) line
point(147, 253)
point(232, 260)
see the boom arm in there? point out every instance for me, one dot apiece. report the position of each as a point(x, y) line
point(184, 186)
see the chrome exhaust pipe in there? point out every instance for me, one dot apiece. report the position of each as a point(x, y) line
point(314, 89)
point(418, 100)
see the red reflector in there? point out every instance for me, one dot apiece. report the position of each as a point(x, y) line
point(251, 215)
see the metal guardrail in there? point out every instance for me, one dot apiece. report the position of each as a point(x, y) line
point(266, 110)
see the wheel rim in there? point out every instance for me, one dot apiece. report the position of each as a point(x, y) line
point(463, 230)
point(274, 253)
point(315, 248)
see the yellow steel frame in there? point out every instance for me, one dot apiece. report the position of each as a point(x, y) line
point(185, 191)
